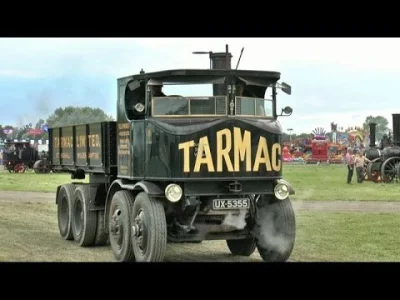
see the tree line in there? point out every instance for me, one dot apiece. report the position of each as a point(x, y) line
point(62, 116)
point(72, 115)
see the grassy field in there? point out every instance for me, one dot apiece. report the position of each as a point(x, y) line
point(33, 182)
point(320, 237)
point(363, 237)
point(329, 182)
point(311, 182)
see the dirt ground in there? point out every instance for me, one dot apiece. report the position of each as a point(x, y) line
point(362, 206)
point(216, 251)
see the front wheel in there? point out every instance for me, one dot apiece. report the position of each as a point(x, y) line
point(275, 229)
point(120, 226)
point(149, 229)
point(242, 247)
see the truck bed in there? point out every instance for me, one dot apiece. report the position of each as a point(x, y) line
point(90, 147)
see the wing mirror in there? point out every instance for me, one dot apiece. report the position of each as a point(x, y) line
point(286, 88)
point(287, 111)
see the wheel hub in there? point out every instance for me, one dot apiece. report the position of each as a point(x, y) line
point(117, 227)
point(137, 230)
point(115, 230)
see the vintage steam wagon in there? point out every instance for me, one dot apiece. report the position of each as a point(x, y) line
point(385, 159)
point(178, 168)
point(42, 164)
point(18, 156)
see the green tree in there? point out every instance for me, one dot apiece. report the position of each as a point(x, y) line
point(381, 125)
point(44, 135)
point(71, 115)
point(286, 137)
point(303, 136)
point(39, 123)
point(3, 135)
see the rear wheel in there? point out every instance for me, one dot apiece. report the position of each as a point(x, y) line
point(84, 221)
point(64, 210)
point(149, 229)
point(389, 169)
point(120, 226)
point(243, 247)
point(275, 229)
point(102, 236)
point(41, 166)
point(19, 168)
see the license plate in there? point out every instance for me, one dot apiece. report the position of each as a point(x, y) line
point(231, 204)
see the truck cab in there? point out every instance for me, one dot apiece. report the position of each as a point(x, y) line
point(182, 167)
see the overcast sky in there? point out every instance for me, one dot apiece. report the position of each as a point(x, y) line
point(340, 80)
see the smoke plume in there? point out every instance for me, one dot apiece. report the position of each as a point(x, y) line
point(238, 221)
point(268, 233)
point(42, 104)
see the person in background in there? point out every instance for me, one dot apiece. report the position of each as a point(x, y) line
point(156, 88)
point(359, 164)
point(155, 91)
point(242, 91)
point(350, 165)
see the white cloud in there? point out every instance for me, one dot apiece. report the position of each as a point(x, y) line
point(349, 53)
point(18, 74)
point(119, 57)
point(354, 59)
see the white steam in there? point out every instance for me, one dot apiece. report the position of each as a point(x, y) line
point(269, 236)
point(235, 220)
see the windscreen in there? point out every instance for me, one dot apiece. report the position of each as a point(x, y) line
point(249, 106)
point(190, 106)
point(197, 100)
point(189, 100)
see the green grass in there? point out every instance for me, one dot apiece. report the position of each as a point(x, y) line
point(311, 182)
point(329, 182)
point(33, 182)
point(347, 237)
point(320, 237)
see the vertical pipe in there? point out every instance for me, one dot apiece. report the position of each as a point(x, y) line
point(220, 60)
point(396, 129)
point(372, 132)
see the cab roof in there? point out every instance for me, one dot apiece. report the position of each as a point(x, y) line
point(215, 76)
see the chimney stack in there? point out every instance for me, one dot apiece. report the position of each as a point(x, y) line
point(372, 131)
point(220, 60)
point(396, 129)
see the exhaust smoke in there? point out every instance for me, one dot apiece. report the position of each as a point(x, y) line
point(267, 234)
point(236, 221)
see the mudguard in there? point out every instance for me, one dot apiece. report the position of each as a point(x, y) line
point(148, 187)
